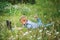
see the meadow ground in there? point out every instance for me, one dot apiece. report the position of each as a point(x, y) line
point(46, 10)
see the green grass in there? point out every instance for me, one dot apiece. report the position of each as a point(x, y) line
point(46, 10)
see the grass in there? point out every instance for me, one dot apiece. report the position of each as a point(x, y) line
point(46, 10)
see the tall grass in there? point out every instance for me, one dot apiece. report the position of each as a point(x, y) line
point(46, 10)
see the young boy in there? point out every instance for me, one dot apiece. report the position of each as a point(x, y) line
point(27, 23)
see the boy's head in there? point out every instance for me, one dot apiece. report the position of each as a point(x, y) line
point(23, 19)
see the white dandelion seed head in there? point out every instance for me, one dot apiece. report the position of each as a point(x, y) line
point(47, 31)
point(45, 28)
point(40, 30)
point(57, 33)
point(39, 38)
point(25, 33)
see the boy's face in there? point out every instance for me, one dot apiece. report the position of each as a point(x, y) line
point(23, 20)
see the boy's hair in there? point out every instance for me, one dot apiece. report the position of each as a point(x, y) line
point(23, 19)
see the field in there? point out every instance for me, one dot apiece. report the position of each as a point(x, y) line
point(47, 11)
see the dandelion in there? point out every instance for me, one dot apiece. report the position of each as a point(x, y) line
point(45, 28)
point(39, 38)
point(31, 37)
point(47, 31)
point(25, 33)
point(40, 30)
point(57, 33)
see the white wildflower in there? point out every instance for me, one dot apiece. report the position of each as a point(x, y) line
point(25, 33)
point(47, 31)
point(39, 38)
point(45, 28)
point(57, 33)
point(40, 30)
